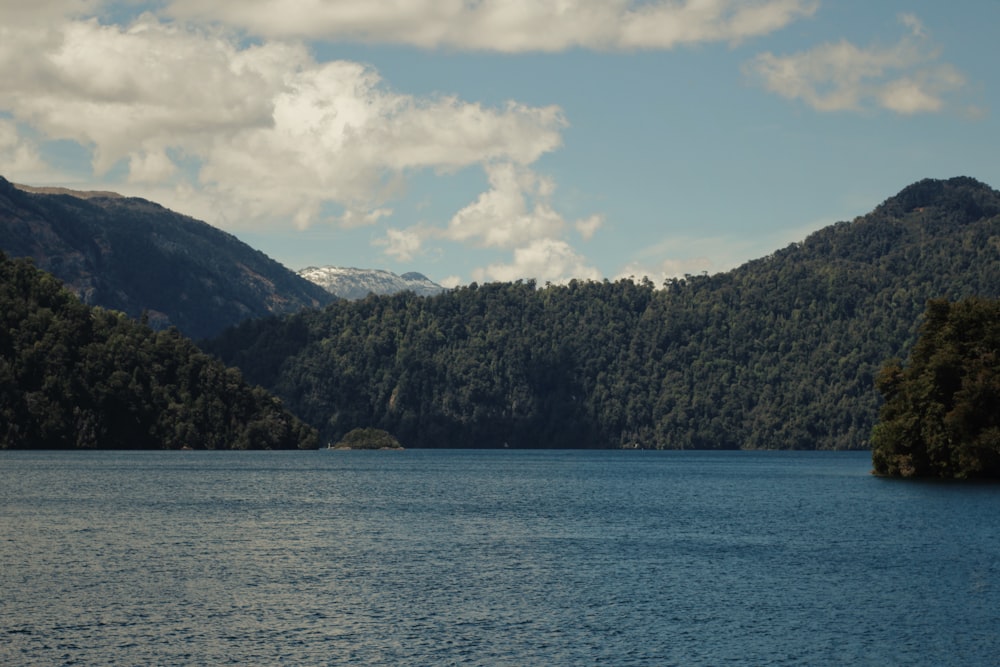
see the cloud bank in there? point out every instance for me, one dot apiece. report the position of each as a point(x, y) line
point(510, 26)
point(273, 132)
point(259, 133)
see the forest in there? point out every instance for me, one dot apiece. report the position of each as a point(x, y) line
point(76, 376)
point(941, 416)
point(780, 353)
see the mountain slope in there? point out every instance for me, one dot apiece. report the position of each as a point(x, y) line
point(351, 283)
point(781, 352)
point(133, 255)
point(74, 376)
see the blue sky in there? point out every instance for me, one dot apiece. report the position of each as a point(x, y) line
point(502, 139)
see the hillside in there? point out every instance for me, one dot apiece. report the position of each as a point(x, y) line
point(351, 283)
point(781, 352)
point(133, 255)
point(75, 376)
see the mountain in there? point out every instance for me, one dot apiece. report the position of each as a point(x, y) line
point(781, 352)
point(76, 376)
point(351, 283)
point(136, 256)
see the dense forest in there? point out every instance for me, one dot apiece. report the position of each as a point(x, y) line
point(781, 352)
point(135, 256)
point(76, 376)
point(941, 416)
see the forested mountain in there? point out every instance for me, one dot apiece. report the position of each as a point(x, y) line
point(352, 283)
point(781, 352)
point(76, 376)
point(133, 255)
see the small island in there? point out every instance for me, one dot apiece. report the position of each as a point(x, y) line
point(941, 416)
point(368, 438)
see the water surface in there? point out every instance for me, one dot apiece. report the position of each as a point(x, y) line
point(491, 558)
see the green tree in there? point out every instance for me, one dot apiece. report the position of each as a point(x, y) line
point(941, 415)
point(72, 376)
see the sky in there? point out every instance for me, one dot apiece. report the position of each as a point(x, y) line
point(485, 140)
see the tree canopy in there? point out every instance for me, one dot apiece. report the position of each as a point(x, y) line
point(781, 352)
point(941, 416)
point(75, 376)
point(368, 438)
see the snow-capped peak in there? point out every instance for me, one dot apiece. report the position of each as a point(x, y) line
point(353, 283)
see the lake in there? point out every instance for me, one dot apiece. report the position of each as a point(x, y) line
point(466, 557)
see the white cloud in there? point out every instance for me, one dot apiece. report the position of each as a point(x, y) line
point(587, 227)
point(506, 25)
point(663, 270)
point(903, 78)
point(150, 167)
point(546, 260)
point(41, 13)
point(401, 244)
point(502, 216)
point(351, 219)
point(516, 214)
point(270, 133)
point(19, 156)
point(144, 87)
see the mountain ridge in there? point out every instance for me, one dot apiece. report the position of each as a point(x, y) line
point(780, 352)
point(138, 257)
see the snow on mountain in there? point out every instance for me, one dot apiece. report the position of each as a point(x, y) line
point(352, 283)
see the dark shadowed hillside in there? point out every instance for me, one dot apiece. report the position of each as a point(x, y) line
point(133, 255)
point(76, 376)
point(779, 353)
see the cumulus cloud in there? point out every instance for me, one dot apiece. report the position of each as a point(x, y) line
point(516, 214)
point(546, 260)
point(402, 244)
point(41, 13)
point(150, 167)
point(17, 153)
point(125, 90)
point(503, 216)
point(905, 78)
point(272, 133)
point(506, 25)
point(19, 156)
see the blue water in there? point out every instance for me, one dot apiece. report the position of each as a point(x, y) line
point(491, 558)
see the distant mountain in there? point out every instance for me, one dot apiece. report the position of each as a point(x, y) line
point(779, 353)
point(351, 283)
point(135, 256)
